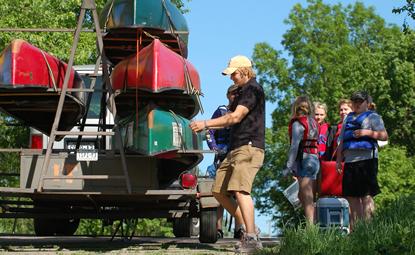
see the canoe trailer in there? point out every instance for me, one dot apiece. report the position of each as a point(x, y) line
point(57, 190)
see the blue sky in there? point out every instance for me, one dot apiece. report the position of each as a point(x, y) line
point(220, 29)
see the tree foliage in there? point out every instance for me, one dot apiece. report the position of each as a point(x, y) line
point(143, 227)
point(409, 10)
point(332, 51)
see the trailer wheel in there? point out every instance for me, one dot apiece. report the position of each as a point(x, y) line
point(181, 227)
point(44, 227)
point(208, 231)
point(66, 227)
point(59, 227)
point(194, 227)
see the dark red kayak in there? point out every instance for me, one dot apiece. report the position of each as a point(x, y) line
point(29, 82)
point(159, 75)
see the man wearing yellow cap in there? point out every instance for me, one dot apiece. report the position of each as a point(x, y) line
point(247, 142)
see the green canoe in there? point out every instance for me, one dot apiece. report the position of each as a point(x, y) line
point(130, 21)
point(163, 134)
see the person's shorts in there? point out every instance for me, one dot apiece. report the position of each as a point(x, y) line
point(237, 172)
point(360, 178)
point(308, 167)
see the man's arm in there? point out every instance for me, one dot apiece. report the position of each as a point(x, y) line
point(229, 119)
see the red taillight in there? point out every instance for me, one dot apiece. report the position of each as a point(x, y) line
point(36, 141)
point(188, 180)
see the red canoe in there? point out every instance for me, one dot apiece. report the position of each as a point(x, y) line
point(29, 78)
point(157, 74)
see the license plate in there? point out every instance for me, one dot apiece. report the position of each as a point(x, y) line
point(86, 151)
point(86, 155)
point(83, 146)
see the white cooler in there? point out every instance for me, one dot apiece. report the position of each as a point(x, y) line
point(333, 212)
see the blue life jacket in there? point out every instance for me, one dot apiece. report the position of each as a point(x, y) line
point(351, 142)
point(222, 135)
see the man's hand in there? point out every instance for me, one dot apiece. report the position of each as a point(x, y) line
point(197, 125)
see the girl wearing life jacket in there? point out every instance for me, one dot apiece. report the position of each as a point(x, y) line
point(358, 147)
point(320, 113)
point(345, 107)
point(303, 159)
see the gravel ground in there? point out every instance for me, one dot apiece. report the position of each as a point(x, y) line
point(103, 245)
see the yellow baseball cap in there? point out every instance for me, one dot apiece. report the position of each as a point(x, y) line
point(235, 63)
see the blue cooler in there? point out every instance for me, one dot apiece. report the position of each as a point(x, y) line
point(333, 212)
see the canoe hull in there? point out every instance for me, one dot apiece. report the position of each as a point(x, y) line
point(159, 133)
point(24, 65)
point(37, 109)
point(125, 21)
point(158, 75)
point(27, 80)
point(158, 69)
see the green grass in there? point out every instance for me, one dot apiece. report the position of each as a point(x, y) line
point(390, 232)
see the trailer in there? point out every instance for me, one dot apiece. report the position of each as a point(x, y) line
point(74, 190)
point(90, 175)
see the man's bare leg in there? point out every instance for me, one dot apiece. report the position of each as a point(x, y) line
point(220, 217)
point(246, 206)
point(231, 206)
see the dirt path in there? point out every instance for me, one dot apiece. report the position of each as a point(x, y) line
point(103, 245)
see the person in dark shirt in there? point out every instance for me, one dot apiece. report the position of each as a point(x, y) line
point(247, 142)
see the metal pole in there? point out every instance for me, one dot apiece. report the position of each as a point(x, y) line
point(55, 125)
point(111, 100)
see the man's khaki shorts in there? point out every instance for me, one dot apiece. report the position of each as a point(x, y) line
point(238, 170)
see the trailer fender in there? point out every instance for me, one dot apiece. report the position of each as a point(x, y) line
point(206, 198)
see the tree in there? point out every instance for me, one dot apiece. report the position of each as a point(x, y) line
point(333, 50)
point(409, 9)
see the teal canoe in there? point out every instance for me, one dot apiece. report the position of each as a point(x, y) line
point(132, 24)
point(163, 134)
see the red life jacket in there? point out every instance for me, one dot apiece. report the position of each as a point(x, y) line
point(309, 141)
point(322, 138)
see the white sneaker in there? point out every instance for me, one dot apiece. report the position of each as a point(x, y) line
point(249, 245)
point(243, 234)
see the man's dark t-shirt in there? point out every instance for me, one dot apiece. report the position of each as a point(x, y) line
point(252, 128)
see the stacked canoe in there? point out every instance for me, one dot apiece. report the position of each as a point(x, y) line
point(157, 75)
point(156, 87)
point(132, 22)
point(30, 80)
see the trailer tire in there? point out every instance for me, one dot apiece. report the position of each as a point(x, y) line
point(67, 227)
point(208, 231)
point(182, 226)
point(44, 227)
point(59, 227)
